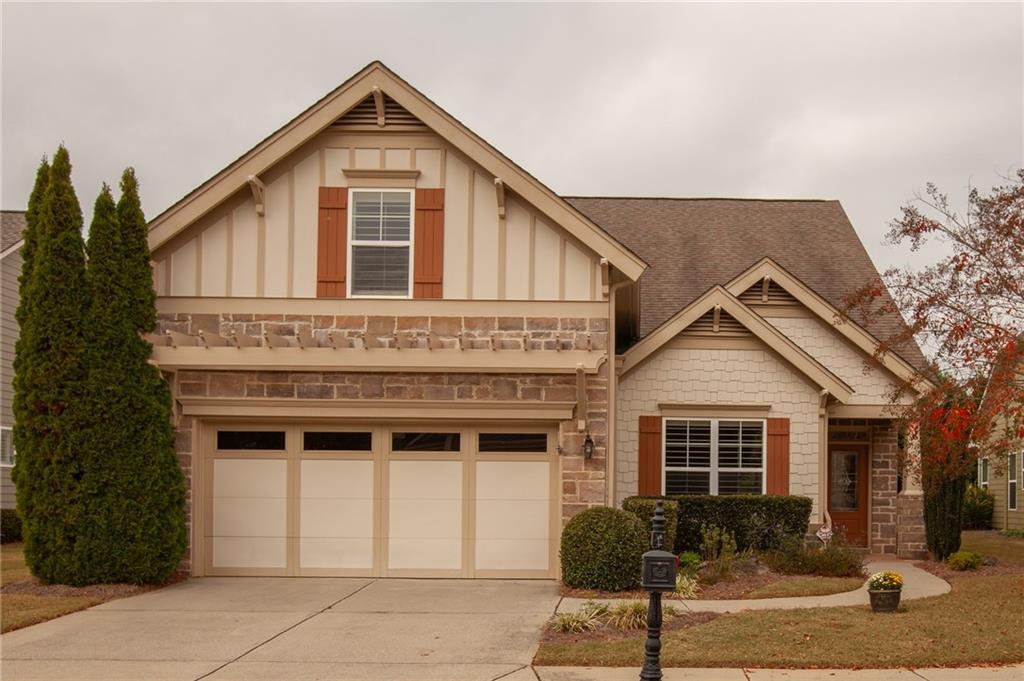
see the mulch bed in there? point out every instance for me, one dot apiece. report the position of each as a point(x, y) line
point(681, 620)
point(105, 592)
point(747, 576)
point(942, 570)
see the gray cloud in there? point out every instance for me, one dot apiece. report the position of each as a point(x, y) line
point(859, 102)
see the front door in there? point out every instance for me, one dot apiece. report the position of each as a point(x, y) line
point(848, 492)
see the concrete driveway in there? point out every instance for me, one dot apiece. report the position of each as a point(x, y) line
point(249, 629)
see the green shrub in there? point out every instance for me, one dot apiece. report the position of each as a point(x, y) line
point(687, 586)
point(628, 615)
point(602, 549)
point(978, 506)
point(757, 521)
point(10, 525)
point(643, 508)
point(964, 560)
point(1017, 534)
point(576, 622)
point(689, 561)
point(943, 515)
point(834, 560)
point(718, 548)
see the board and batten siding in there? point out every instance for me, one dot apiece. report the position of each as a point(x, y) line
point(233, 252)
point(10, 269)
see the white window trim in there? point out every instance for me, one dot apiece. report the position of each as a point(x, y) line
point(6, 464)
point(983, 472)
point(1012, 482)
point(713, 470)
point(351, 244)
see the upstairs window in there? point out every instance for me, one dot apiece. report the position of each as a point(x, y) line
point(380, 239)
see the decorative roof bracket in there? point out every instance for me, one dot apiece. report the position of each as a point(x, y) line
point(764, 288)
point(717, 318)
point(499, 188)
point(378, 102)
point(259, 194)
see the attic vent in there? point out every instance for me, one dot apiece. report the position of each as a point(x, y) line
point(704, 327)
point(775, 295)
point(363, 116)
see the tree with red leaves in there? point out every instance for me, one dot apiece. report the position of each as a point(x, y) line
point(968, 309)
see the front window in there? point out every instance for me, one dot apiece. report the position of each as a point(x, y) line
point(381, 243)
point(714, 456)
point(6, 446)
point(983, 473)
point(1011, 491)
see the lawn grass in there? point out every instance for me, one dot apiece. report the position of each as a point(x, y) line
point(991, 543)
point(978, 622)
point(12, 564)
point(21, 610)
point(806, 585)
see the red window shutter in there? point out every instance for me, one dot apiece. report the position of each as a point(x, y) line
point(778, 457)
point(428, 244)
point(332, 246)
point(649, 449)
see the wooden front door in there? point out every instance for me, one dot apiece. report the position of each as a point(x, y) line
point(848, 492)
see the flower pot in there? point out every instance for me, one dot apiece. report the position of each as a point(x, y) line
point(884, 601)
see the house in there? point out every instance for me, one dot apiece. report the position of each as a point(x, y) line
point(395, 352)
point(1002, 475)
point(12, 225)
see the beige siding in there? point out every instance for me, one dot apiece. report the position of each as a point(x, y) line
point(7, 499)
point(872, 385)
point(1002, 517)
point(725, 377)
point(234, 252)
point(10, 269)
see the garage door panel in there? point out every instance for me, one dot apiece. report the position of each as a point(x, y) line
point(425, 515)
point(336, 552)
point(249, 552)
point(336, 514)
point(513, 515)
point(249, 477)
point(249, 517)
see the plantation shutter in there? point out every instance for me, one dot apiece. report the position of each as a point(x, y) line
point(428, 244)
point(777, 478)
point(649, 450)
point(332, 247)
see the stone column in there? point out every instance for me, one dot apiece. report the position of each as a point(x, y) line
point(910, 530)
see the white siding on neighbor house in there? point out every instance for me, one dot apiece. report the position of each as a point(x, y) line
point(10, 269)
point(872, 384)
point(726, 377)
point(234, 252)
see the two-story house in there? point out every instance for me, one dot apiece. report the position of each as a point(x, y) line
point(395, 352)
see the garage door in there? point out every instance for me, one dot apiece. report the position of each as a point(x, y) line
point(407, 500)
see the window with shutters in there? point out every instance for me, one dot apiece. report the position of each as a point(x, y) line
point(983, 473)
point(714, 456)
point(380, 243)
point(1011, 484)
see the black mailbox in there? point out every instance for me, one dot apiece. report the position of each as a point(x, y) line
point(659, 571)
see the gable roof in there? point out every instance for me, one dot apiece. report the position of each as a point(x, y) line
point(12, 225)
point(344, 98)
point(694, 244)
point(718, 296)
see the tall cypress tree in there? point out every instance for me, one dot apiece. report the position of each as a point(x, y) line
point(50, 361)
point(133, 487)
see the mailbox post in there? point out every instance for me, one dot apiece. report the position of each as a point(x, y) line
point(658, 577)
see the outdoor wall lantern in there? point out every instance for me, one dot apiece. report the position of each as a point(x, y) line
point(588, 447)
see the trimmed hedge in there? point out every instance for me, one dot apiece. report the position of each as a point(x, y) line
point(10, 525)
point(602, 548)
point(643, 508)
point(757, 521)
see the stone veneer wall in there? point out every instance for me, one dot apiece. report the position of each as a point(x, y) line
point(726, 377)
point(583, 480)
point(884, 475)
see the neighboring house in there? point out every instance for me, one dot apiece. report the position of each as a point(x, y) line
point(12, 224)
point(1003, 479)
point(394, 352)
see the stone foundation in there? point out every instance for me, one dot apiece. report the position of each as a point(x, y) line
point(910, 526)
point(884, 474)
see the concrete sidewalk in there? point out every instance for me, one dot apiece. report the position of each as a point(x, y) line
point(917, 583)
point(1012, 673)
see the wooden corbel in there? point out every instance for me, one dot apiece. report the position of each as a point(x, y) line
point(182, 340)
point(273, 340)
point(244, 341)
point(378, 103)
point(717, 318)
point(259, 194)
point(306, 339)
point(605, 277)
point(581, 399)
point(213, 340)
point(765, 283)
point(499, 188)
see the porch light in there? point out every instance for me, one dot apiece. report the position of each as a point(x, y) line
point(588, 447)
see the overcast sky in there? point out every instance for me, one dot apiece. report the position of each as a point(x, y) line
point(861, 102)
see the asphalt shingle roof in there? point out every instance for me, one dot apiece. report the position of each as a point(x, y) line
point(694, 244)
point(12, 224)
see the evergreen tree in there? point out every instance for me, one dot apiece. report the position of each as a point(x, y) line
point(50, 361)
point(133, 487)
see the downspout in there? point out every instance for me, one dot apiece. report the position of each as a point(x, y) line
point(613, 405)
point(823, 456)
